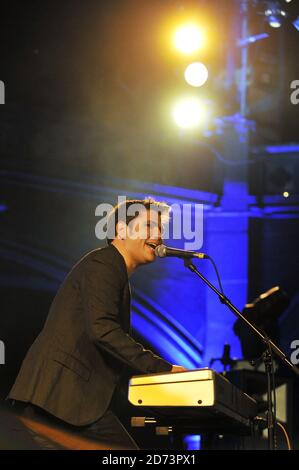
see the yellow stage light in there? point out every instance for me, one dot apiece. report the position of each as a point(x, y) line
point(188, 39)
point(189, 112)
point(196, 74)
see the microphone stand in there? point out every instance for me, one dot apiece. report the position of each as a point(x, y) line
point(267, 356)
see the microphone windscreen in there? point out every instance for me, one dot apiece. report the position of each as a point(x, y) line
point(160, 251)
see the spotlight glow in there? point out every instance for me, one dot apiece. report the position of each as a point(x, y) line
point(274, 15)
point(188, 39)
point(189, 113)
point(196, 74)
point(274, 22)
point(286, 194)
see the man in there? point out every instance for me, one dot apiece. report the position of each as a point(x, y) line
point(71, 372)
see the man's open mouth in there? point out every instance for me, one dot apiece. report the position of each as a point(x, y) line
point(152, 245)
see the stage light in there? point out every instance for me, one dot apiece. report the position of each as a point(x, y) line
point(196, 74)
point(189, 113)
point(274, 14)
point(286, 194)
point(274, 22)
point(188, 39)
point(296, 23)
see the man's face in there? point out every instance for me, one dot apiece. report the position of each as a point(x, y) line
point(143, 234)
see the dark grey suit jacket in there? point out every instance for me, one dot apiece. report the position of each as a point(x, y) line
point(75, 363)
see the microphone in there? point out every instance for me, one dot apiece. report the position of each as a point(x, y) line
point(162, 251)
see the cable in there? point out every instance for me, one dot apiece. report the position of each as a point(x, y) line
point(287, 437)
point(274, 399)
point(217, 273)
point(281, 426)
point(273, 394)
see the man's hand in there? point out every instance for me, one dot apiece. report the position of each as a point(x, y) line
point(178, 369)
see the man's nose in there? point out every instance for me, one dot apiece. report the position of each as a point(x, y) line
point(156, 233)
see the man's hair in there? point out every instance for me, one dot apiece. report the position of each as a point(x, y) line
point(119, 213)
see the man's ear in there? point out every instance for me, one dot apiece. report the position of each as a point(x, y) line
point(121, 230)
